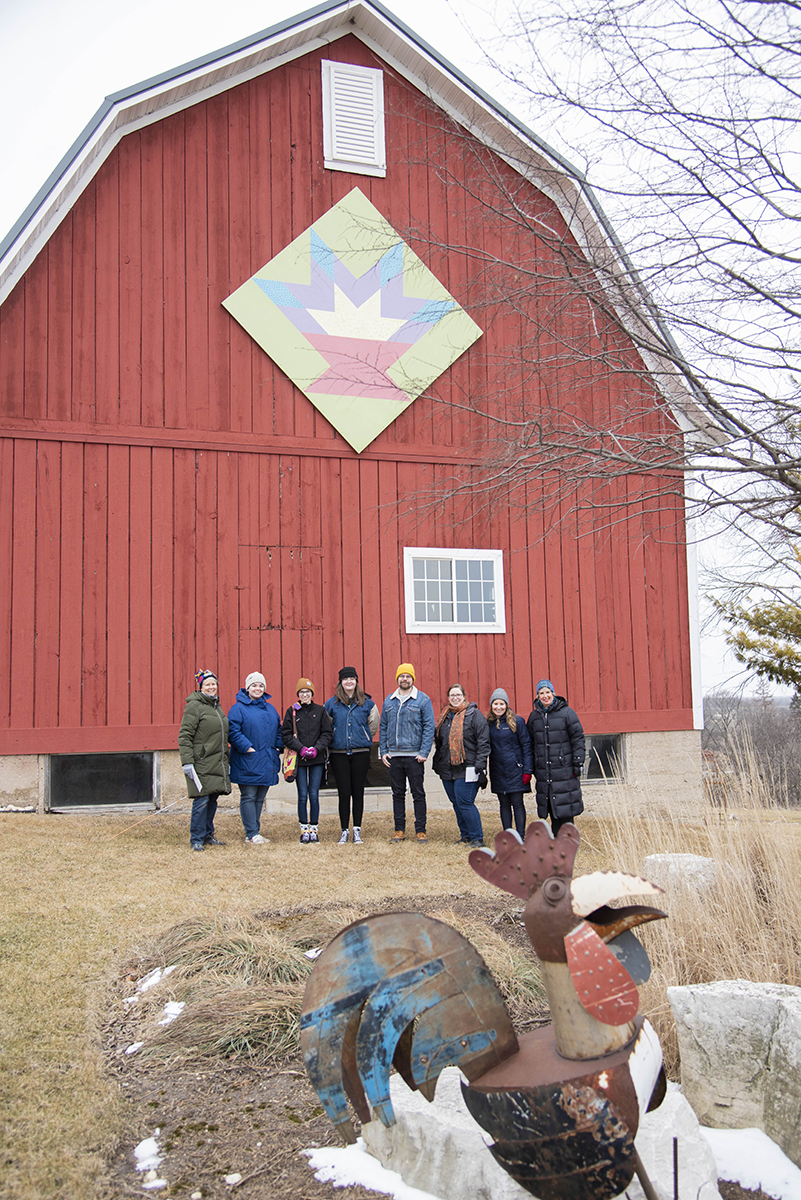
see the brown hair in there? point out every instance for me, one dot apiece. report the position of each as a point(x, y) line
point(343, 698)
point(511, 719)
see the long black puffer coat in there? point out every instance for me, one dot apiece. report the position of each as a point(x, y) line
point(557, 739)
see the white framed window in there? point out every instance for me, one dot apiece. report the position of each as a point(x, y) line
point(353, 119)
point(453, 591)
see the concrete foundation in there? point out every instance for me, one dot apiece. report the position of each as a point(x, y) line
point(661, 773)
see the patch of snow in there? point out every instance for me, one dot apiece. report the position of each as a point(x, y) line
point(347, 1166)
point(147, 1153)
point(315, 953)
point(752, 1159)
point(232, 1179)
point(153, 977)
point(172, 1009)
point(134, 1046)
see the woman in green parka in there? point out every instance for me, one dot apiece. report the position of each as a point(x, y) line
point(203, 743)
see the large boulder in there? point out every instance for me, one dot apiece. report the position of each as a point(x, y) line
point(674, 871)
point(440, 1149)
point(740, 1046)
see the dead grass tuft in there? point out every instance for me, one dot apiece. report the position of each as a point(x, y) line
point(229, 1021)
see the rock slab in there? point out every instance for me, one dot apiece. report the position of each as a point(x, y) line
point(740, 1046)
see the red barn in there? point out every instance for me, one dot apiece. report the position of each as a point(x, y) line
point(259, 334)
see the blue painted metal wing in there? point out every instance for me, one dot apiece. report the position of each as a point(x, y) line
point(402, 988)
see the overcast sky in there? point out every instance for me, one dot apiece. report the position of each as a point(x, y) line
point(59, 60)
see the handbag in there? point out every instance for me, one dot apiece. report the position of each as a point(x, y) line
point(289, 765)
point(289, 761)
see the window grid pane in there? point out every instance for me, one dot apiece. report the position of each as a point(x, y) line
point(438, 582)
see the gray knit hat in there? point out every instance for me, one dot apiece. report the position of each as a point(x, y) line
point(499, 694)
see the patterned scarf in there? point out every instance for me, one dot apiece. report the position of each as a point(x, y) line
point(456, 739)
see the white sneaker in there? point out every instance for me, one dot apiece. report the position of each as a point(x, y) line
point(357, 836)
point(313, 834)
point(343, 841)
point(258, 840)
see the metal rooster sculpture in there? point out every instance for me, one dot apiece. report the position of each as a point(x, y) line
point(563, 1102)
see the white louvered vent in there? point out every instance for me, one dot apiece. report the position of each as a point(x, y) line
point(353, 119)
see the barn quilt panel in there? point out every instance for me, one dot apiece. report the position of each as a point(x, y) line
point(355, 319)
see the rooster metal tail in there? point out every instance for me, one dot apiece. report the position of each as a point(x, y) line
point(398, 989)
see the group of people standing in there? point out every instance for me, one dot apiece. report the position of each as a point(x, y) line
point(245, 746)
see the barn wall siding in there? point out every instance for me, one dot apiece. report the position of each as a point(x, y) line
point(131, 565)
point(176, 502)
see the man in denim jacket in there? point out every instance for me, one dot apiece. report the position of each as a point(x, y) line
point(405, 735)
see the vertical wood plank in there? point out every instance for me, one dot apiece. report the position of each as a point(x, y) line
point(84, 308)
point(71, 607)
point(152, 287)
point(176, 293)
point(6, 573)
point(130, 280)
point(186, 656)
point(162, 587)
point(95, 564)
point(59, 323)
point(141, 613)
point(48, 583)
point(120, 519)
point(107, 284)
point(23, 597)
point(12, 353)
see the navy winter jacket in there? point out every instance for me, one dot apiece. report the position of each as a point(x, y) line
point(510, 755)
point(254, 723)
point(557, 740)
point(351, 725)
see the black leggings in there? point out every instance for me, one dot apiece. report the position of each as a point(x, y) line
point(350, 774)
point(513, 802)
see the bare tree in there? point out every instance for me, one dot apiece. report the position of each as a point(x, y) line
point(686, 119)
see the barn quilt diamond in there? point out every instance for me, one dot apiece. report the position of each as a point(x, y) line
point(354, 318)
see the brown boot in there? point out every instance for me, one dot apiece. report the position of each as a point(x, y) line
point(421, 837)
point(400, 835)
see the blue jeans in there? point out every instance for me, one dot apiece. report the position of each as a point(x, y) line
point(251, 802)
point(463, 798)
point(308, 780)
point(201, 823)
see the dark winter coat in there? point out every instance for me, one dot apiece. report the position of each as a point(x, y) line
point(510, 755)
point(476, 745)
point(203, 742)
point(354, 725)
point(557, 740)
point(254, 724)
point(314, 727)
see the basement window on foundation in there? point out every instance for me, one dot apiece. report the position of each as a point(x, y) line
point(453, 591)
point(95, 780)
point(353, 119)
point(604, 758)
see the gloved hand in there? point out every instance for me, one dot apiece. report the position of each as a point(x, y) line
point(526, 779)
point(577, 768)
point(191, 773)
point(308, 752)
point(482, 779)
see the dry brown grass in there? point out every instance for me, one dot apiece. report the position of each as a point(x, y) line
point(748, 926)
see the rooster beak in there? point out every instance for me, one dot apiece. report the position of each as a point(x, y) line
point(590, 892)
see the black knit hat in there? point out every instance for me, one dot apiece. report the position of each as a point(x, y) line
point(348, 673)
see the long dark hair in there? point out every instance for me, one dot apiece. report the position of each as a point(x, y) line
point(343, 698)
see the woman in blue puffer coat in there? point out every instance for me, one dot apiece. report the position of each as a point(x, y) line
point(255, 736)
point(511, 764)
